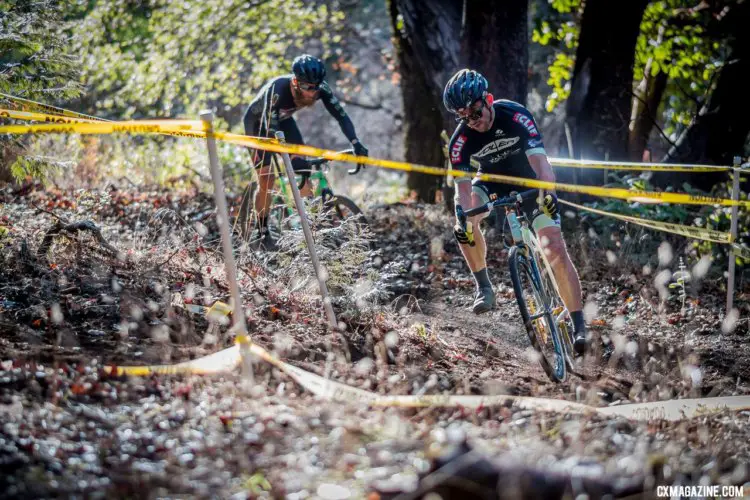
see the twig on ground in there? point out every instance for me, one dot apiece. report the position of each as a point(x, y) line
point(53, 214)
point(73, 228)
point(90, 413)
point(162, 264)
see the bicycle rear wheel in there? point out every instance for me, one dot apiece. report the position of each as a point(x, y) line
point(278, 215)
point(540, 324)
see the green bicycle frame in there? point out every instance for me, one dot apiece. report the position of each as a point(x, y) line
point(318, 178)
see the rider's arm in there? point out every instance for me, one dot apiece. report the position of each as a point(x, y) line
point(542, 168)
point(261, 110)
point(533, 146)
point(460, 158)
point(336, 110)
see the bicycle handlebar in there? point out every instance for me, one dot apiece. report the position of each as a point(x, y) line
point(501, 202)
point(462, 215)
point(317, 162)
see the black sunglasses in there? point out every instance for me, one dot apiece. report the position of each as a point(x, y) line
point(474, 115)
point(308, 86)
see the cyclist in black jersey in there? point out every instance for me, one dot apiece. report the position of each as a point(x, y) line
point(272, 111)
point(501, 137)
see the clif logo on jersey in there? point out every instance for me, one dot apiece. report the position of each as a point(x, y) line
point(456, 149)
point(527, 122)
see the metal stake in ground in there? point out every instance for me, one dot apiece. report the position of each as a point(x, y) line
point(733, 232)
point(308, 235)
point(222, 216)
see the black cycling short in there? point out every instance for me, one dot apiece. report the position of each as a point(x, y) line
point(292, 135)
point(490, 191)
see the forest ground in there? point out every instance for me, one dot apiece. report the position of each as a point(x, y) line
point(71, 304)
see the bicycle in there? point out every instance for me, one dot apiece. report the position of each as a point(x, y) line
point(543, 313)
point(282, 213)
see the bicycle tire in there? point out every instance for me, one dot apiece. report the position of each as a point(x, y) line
point(520, 272)
point(565, 327)
point(342, 204)
point(278, 213)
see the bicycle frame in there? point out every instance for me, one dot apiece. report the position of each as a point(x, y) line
point(318, 177)
point(526, 240)
point(528, 244)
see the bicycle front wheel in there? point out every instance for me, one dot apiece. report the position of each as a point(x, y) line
point(342, 208)
point(536, 314)
point(561, 314)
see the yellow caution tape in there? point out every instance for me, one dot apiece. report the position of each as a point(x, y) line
point(131, 127)
point(41, 117)
point(217, 309)
point(741, 251)
point(620, 193)
point(57, 112)
point(58, 119)
point(689, 231)
point(558, 162)
point(228, 359)
point(190, 128)
point(219, 362)
point(627, 165)
point(29, 104)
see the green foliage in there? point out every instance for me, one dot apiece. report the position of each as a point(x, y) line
point(709, 217)
point(559, 31)
point(560, 74)
point(36, 167)
point(173, 57)
point(566, 6)
point(36, 62)
point(720, 218)
point(150, 159)
point(674, 38)
point(45, 158)
point(35, 56)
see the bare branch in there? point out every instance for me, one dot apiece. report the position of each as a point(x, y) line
point(73, 228)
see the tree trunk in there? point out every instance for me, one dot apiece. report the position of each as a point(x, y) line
point(425, 40)
point(719, 132)
point(599, 105)
point(436, 38)
point(494, 41)
point(645, 104)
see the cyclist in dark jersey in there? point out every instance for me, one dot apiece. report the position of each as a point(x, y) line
point(501, 137)
point(272, 111)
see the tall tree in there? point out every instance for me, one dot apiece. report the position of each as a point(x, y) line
point(168, 58)
point(36, 62)
point(647, 96)
point(720, 128)
point(680, 51)
point(436, 38)
point(599, 106)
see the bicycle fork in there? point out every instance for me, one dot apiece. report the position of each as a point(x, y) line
point(544, 305)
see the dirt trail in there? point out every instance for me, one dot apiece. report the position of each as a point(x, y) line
point(69, 429)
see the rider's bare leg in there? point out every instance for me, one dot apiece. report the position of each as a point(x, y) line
point(262, 202)
point(565, 272)
point(476, 256)
point(567, 279)
point(306, 189)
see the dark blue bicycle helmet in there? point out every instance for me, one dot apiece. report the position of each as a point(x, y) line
point(309, 69)
point(464, 89)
